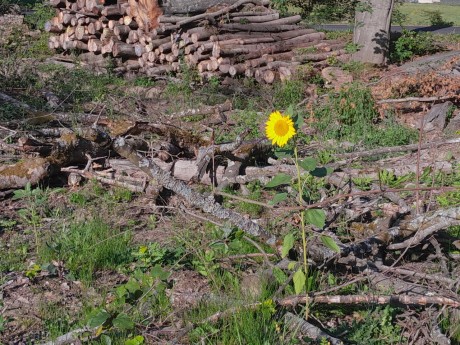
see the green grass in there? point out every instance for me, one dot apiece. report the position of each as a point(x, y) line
point(88, 246)
point(417, 15)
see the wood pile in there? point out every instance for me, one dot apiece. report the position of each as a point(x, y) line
point(237, 38)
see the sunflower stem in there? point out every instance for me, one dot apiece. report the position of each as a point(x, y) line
point(304, 235)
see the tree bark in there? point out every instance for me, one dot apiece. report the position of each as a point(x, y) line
point(372, 31)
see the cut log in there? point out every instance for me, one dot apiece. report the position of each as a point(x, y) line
point(124, 50)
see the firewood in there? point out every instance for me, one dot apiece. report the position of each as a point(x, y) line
point(94, 45)
point(124, 50)
point(255, 19)
point(317, 57)
point(260, 27)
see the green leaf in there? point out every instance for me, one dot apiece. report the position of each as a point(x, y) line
point(137, 340)
point(299, 281)
point(279, 275)
point(321, 172)
point(288, 243)
point(279, 180)
point(308, 164)
point(316, 217)
point(158, 272)
point(330, 243)
point(132, 285)
point(123, 322)
point(106, 340)
point(98, 319)
point(278, 198)
point(292, 265)
point(283, 153)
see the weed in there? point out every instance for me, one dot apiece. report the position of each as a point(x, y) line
point(334, 35)
point(36, 208)
point(13, 253)
point(351, 48)
point(377, 328)
point(363, 183)
point(41, 12)
point(255, 194)
point(351, 115)
point(153, 254)
point(88, 246)
point(56, 319)
point(288, 93)
point(144, 81)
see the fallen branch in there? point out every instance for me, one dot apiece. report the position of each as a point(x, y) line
point(297, 324)
point(393, 149)
point(424, 226)
point(415, 99)
point(208, 205)
point(293, 301)
point(71, 337)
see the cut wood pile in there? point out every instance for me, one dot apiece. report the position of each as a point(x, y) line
point(238, 38)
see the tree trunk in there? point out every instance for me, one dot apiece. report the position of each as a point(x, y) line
point(372, 31)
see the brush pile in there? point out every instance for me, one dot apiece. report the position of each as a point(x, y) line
point(235, 38)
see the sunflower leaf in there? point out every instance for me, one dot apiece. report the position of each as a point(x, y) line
point(316, 217)
point(308, 164)
point(330, 243)
point(278, 198)
point(279, 180)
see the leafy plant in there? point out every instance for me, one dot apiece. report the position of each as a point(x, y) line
point(411, 44)
point(41, 12)
point(377, 328)
point(351, 115)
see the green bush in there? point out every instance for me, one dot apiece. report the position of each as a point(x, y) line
point(435, 18)
point(411, 44)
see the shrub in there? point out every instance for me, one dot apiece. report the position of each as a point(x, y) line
point(411, 44)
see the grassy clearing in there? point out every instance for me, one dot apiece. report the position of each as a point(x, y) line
point(84, 238)
point(420, 14)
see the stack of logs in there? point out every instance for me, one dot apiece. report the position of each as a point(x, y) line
point(245, 38)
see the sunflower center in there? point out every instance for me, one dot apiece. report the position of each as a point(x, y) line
point(281, 128)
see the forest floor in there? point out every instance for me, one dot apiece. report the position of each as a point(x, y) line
point(86, 259)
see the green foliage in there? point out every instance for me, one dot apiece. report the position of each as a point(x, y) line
point(36, 201)
point(255, 327)
point(14, 251)
point(435, 18)
point(41, 13)
point(154, 254)
point(411, 44)
point(288, 93)
point(249, 208)
point(351, 115)
point(327, 11)
point(143, 291)
point(377, 328)
point(88, 246)
point(363, 183)
point(79, 85)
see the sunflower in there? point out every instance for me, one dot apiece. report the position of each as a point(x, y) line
point(279, 129)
